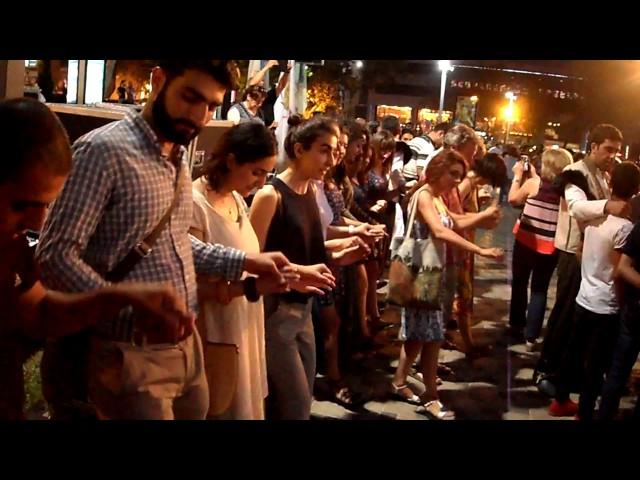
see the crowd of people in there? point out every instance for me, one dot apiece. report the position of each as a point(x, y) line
point(156, 295)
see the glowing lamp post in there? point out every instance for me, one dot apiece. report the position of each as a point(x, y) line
point(444, 66)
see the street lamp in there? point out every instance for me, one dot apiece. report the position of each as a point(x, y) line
point(509, 114)
point(444, 66)
point(359, 64)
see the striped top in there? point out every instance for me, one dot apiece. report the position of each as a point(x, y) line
point(536, 228)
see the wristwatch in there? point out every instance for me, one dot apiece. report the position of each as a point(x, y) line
point(250, 289)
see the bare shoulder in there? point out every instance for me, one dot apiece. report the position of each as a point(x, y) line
point(266, 194)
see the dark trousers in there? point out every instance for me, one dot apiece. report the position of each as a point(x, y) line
point(539, 267)
point(65, 377)
point(560, 321)
point(589, 349)
point(625, 354)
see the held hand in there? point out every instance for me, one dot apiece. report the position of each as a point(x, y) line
point(496, 253)
point(350, 255)
point(270, 284)
point(618, 208)
point(270, 263)
point(314, 279)
point(160, 312)
point(518, 169)
point(369, 233)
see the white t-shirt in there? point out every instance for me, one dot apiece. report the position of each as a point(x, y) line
point(421, 149)
point(601, 237)
point(326, 214)
point(396, 181)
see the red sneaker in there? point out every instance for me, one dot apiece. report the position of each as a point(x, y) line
point(568, 408)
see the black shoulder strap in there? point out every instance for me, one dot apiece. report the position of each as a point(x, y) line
point(145, 246)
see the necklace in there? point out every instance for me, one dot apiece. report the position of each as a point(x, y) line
point(223, 205)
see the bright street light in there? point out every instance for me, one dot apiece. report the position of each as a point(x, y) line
point(359, 64)
point(444, 66)
point(509, 114)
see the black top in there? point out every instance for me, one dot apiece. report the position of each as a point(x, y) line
point(632, 250)
point(266, 111)
point(296, 231)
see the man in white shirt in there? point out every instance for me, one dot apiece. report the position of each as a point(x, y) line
point(596, 319)
point(576, 208)
point(422, 148)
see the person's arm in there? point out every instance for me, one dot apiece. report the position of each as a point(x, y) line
point(618, 285)
point(73, 219)
point(627, 272)
point(432, 219)
point(282, 83)
point(520, 192)
point(263, 208)
point(468, 221)
point(620, 240)
point(259, 75)
point(366, 232)
point(50, 314)
point(580, 207)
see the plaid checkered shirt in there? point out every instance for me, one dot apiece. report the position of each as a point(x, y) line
point(119, 188)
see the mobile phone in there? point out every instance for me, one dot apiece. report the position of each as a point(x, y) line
point(525, 161)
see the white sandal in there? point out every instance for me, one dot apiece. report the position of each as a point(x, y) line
point(443, 414)
point(413, 399)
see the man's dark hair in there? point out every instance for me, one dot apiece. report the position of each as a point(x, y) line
point(441, 127)
point(353, 129)
point(224, 72)
point(373, 127)
point(602, 132)
point(625, 179)
point(257, 92)
point(391, 124)
point(492, 168)
point(31, 135)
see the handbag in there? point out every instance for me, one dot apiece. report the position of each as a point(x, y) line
point(221, 367)
point(416, 269)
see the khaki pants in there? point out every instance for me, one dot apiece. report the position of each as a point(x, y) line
point(154, 382)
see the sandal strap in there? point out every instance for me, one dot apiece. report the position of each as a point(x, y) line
point(397, 388)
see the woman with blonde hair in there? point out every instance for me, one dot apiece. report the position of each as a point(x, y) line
point(534, 253)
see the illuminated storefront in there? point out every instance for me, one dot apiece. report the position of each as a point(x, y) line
point(403, 113)
point(433, 115)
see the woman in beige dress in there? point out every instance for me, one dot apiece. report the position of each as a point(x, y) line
point(243, 158)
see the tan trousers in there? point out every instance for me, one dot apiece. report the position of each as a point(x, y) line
point(154, 382)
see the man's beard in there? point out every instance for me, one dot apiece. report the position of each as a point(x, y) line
point(166, 125)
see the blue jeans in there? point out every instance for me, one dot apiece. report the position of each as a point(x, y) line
point(625, 355)
point(539, 267)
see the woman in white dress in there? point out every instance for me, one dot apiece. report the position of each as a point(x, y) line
point(244, 156)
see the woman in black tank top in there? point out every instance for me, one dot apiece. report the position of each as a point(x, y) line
point(285, 216)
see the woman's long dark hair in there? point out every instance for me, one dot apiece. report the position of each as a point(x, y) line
point(248, 142)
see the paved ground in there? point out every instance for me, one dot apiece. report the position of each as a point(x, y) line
point(491, 388)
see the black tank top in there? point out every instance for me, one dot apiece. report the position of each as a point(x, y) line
point(296, 231)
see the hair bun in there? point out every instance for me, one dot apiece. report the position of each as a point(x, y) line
point(294, 120)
